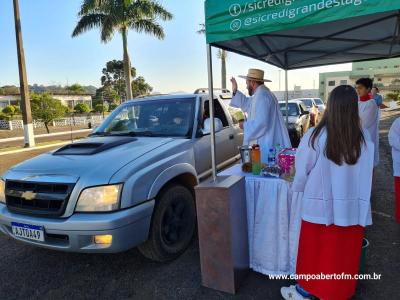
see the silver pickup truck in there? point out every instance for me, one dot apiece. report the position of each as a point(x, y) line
point(131, 183)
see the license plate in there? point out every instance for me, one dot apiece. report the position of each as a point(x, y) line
point(26, 231)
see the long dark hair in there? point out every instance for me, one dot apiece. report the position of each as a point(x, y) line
point(343, 126)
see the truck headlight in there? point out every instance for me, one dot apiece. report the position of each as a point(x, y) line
point(2, 191)
point(99, 198)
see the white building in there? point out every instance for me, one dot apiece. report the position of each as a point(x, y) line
point(68, 100)
point(296, 93)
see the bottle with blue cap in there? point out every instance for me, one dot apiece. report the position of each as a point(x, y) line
point(271, 158)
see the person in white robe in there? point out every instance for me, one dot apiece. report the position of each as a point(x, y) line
point(369, 113)
point(264, 125)
point(394, 141)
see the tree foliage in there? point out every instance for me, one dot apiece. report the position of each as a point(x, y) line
point(395, 96)
point(9, 110)
point(113, 89)
point(9, 90)
point(114, 77)
point(112, 16)
point(100, 108)
point(46, 109)
point(112, 107)
point(82, 108)
point(76, 89)
point(140, 87)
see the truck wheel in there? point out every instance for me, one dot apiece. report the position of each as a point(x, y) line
point(173, 224)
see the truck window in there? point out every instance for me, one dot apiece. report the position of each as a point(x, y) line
point(218, 112)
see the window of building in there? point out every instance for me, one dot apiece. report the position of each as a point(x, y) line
point(359, 69)
point(379, 79)
point(322, 82)
point(343, 82)
point(396, 67)
point(332, 83)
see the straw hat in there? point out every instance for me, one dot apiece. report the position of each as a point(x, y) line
point(255, 74)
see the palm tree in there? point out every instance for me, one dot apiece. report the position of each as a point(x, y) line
point(222, 55)
point(121, 15)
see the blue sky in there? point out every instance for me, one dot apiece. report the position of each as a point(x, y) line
point(177, 63)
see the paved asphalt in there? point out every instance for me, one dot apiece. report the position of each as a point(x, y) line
point(33, 273)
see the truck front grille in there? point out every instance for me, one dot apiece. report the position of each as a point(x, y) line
point(34, 198)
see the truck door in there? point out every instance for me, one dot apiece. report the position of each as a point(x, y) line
point(224, 138)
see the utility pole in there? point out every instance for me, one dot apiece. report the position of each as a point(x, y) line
point(24, 91)
point(279, 71)
point(102, 99)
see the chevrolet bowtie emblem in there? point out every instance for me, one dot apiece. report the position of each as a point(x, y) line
point(28, 195)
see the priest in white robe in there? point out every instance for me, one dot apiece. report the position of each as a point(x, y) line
point(264, 125)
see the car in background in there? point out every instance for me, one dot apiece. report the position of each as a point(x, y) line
point(312, 108)
point(298, 119)
point(320, 104)
point(131, 183)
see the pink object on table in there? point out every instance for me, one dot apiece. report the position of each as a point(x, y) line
point(286, 159)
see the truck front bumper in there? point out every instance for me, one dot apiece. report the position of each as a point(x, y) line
point(129, 228)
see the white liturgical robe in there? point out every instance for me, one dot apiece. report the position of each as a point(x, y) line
point(265, 125)
point(369, 115)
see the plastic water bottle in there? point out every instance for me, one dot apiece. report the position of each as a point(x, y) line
point(271, 157)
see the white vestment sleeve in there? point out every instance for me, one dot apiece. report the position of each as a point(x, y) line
point(394, 135)
point(257, 127)
point(306, 158)
point(368, 114)
point(241, 101)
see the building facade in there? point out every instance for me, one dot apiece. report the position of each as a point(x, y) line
point(296, 93)
point(385, 73)
point(68, 100)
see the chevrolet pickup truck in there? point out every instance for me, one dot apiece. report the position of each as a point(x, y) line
point(130, 183)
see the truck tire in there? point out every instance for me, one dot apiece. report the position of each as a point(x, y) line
point(173, 224)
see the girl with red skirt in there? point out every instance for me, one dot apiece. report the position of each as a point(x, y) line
point(394, 141)
point(334, 165)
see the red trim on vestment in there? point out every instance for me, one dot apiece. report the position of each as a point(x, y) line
point(329, 250)
point(366, 98)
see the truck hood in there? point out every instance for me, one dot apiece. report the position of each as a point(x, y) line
point(97, 157)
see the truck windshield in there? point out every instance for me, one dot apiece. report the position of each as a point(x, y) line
point(172, 117)
point(307, 102)
point(318, 101)
point(292, 107)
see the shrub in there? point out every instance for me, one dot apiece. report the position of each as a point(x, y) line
point(82, 108)
point(9, 110)
point(100, 108)
point(112, 106)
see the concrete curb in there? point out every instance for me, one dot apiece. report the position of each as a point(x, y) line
point(20, 138)
point(34, 148)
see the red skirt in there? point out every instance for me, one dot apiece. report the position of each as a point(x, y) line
point(397, 193)
point(329, 250)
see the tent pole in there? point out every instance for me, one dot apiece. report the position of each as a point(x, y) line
point(211, 103)
point(287, 97)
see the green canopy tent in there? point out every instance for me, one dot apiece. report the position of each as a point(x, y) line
point(294, 34)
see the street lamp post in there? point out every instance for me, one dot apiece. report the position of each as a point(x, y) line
point(24, 91)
